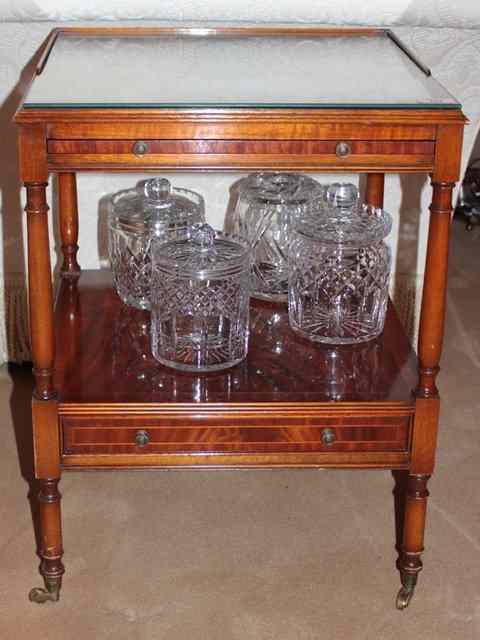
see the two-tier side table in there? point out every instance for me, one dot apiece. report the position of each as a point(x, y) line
point(217, 99)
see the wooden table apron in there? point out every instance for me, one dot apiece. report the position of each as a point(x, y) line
point(65, 141)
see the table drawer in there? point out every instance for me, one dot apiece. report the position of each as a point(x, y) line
point(216, 153)
point(180, 435)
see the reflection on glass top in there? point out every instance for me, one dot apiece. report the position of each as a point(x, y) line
point(187, 71)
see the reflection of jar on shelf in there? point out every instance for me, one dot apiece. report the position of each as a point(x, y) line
point(266, 206)
point(269, 325)
point(351, 371)
point(339, 271)
point(153, 209)
point(336, 372)
point(198, 388)
point(131, 350)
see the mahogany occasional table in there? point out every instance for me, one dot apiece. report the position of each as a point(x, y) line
point(296, 99)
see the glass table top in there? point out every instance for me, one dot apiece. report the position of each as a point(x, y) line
point(205, 69)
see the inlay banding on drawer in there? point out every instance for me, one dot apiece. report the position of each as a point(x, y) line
point(84, 435)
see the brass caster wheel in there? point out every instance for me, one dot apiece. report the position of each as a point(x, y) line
point(50, 594)
point(403, 598)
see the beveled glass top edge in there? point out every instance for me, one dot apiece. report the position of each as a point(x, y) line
point(220, 29)
point(192, 106)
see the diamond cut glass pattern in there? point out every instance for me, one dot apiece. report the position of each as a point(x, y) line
point(200, 301)
point(131, 267)
point(154, 209)
point(266, 205)
point(339, 275)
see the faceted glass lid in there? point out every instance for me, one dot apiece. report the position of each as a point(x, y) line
point(280, 188)
point(342, 219)
point(156, 205)
point(203, 253)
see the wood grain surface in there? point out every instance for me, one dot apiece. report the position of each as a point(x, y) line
point(104, 356)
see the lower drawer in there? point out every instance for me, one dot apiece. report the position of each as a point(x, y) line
point(218, 434)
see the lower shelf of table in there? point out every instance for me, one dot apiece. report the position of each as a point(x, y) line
point(291, 403)
point(104, 357)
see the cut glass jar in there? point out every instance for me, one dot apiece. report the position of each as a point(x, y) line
point(266, 206)
point(200, 300)
point(154, 209)
point(339, 272)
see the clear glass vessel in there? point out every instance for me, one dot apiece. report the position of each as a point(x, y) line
point(154, 209)
point(266, 206)
point(200, 300)
point(339, 273)
point(342, 194)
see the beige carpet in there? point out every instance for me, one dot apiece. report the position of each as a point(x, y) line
point(284, 555)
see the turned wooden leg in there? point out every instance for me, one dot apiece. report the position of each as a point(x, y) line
point(432, 317)
point(399, 495)
point(68, 215)
point(44, 404)
point(410, 562)
point(425, 425)
point(51, 550)
point(375, 189)
point(427, 403)
point(40, 290)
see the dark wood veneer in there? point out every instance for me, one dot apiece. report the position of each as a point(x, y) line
point(104, 356)
point(91, 435)
point(303, 147)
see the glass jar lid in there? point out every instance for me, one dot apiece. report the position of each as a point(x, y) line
point(336, 222)
point(280, 188)
point(155, 205)
point(342, 194)
point(203, 253)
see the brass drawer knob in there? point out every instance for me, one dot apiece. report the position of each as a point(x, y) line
point(142, 438)
point(328, 437)
point(343, 149)
point(140, 148)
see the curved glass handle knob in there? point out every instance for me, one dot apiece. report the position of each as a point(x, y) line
point(140, 148)
point(203, 235)
point(157, 189)
point(142, 438)
point(343, 149)
point(328, 437)
point(342, 194)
